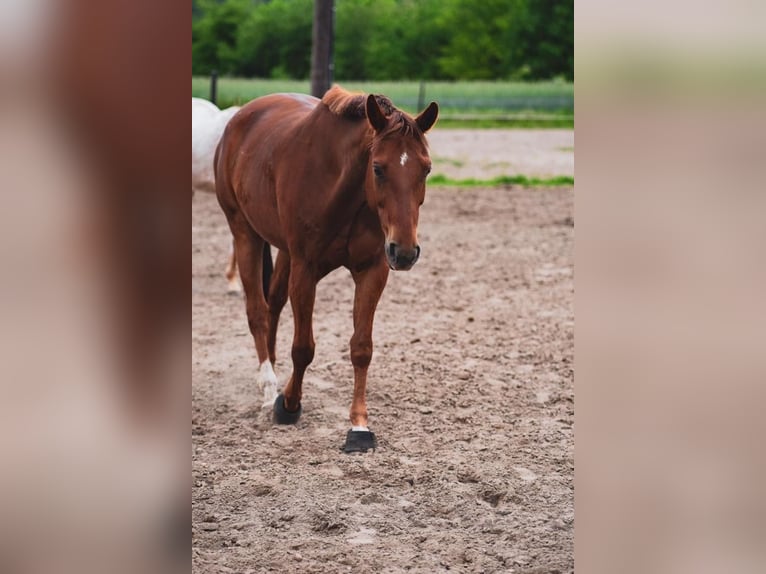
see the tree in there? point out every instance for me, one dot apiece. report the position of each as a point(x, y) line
point(384, 39)
point(215, 34)
point(483, 43)
point(275, 40)
point(548, 39)
point(354, 25)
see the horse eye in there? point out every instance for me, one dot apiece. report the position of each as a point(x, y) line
point(378, 170)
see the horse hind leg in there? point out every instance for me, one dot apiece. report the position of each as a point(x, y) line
point(249, 250)
point(277, 299)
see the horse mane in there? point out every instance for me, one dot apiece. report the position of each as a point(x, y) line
point(354, 106)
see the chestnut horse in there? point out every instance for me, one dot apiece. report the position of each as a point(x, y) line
point(331, 182)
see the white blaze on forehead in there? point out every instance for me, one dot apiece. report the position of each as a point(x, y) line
point(403, 159)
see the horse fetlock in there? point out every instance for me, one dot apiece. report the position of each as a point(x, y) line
point(267, 382)
point(359, 424)
point(358, 417)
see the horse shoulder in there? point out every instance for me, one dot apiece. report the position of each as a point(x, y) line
point(366, 240)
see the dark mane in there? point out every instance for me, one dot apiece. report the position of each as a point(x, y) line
point(353, 106)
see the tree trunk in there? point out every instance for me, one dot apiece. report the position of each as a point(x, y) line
point(321, 50)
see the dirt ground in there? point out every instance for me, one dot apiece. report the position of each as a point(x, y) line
point(470, 394)
point(484, 154)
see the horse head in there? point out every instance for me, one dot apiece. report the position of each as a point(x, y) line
point(396, 176)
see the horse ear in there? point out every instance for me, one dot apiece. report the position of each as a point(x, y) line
point(374, 115)
point(427, 118)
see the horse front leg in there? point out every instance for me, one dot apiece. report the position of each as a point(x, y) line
point(302, 291)
point(370, 283)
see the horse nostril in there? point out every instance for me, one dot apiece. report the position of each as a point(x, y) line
point(417, 252)
point(407, 258)
point(392, 250)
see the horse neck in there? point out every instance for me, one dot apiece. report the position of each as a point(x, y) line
point(346, 157)
point(353, 152)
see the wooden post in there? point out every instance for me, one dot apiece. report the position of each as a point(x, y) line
point(322, 44)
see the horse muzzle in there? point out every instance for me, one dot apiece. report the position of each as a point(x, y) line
point(400, 259)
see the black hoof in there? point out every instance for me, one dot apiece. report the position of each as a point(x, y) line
point(281, 415)
point(360, 441)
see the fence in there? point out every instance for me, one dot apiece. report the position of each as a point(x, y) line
point(541, 102)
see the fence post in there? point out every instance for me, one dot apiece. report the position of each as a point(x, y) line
point(421, 96)
point(322, 46)
point(214, 86)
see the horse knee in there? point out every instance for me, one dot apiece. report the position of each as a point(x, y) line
point(303, 355)
point(361, 352)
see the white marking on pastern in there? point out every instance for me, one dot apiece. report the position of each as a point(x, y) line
point(267, 382)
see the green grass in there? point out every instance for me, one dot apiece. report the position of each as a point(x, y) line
point(462, 104)
point(510, 122)
point(448, 161)
point(503, 180)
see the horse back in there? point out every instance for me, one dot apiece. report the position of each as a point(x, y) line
point(268, 120)
point(246, 154)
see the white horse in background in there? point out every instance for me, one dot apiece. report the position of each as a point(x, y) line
point(208, 123)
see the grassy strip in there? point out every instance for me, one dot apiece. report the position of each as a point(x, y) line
point(517, 100)
point(476, 92)
point(462, 104)
point(503, 180)
point(510, 123)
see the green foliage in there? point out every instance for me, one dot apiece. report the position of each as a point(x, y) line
point(481, 46)
point(354, 25)
point(503, 180)
point(547, 39)
point(215, 35)
point(275, 40)
point(388, 39)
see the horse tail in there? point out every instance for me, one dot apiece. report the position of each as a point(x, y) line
point(268, 269)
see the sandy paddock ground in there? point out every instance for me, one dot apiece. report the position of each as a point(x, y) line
point(484, 154)
point(470, 394)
